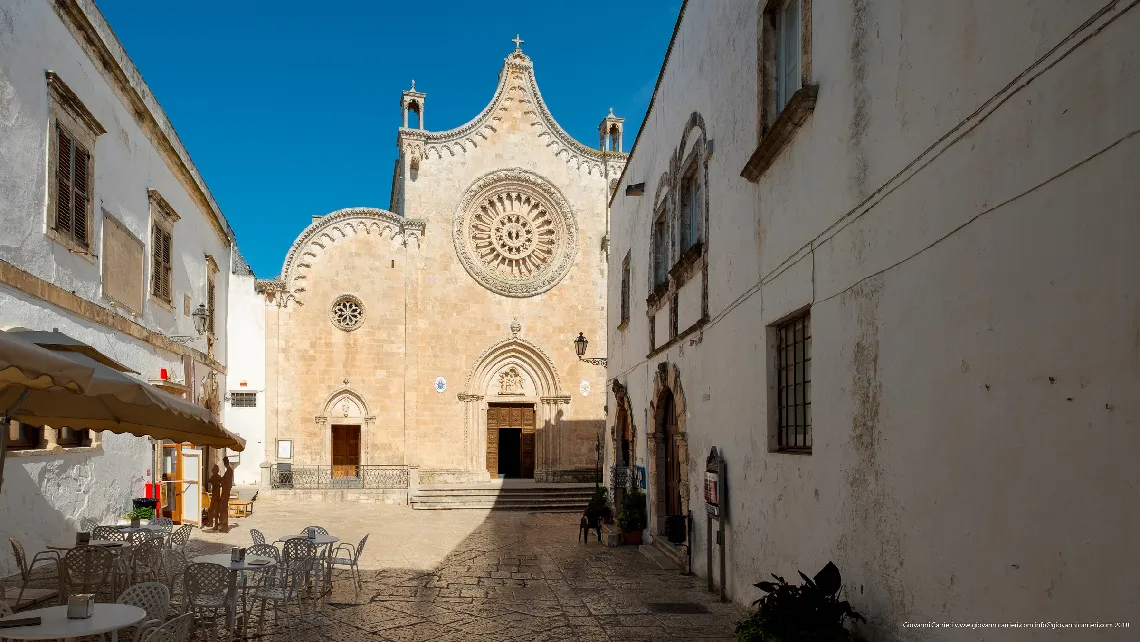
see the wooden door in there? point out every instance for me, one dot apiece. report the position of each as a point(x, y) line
point(493, 440)
point(525, 420)
point(345, 451)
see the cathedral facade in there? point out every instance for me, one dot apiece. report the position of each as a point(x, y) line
point(439, 333)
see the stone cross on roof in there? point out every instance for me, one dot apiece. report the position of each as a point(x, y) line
point(518, 42)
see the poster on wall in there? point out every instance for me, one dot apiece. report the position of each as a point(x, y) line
point(639, 476)
point(284, 448)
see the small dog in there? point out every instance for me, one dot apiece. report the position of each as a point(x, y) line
point(584, 527)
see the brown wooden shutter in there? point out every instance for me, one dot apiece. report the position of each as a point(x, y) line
point(210, 301)
point(157, 269)
point(493, 441)
point(63, 181)
point(166, 266)
point(528, 430)
point(80, 195)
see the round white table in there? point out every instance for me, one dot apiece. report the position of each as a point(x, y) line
point(319, 540)
point(251, 563)
point(54, 624)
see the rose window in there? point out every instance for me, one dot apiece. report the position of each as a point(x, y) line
point(347, 312)
point(515, 234)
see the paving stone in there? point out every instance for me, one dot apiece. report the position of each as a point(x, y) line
point(509, 577)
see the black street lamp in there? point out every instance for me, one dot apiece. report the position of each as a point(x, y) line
point(598, 456)
point(580, 347)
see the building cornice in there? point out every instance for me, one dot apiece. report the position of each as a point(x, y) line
point(95, 37)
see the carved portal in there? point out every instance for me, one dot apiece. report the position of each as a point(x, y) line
point(514, 233)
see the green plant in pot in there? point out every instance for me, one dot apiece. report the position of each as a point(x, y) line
point(632, 518)
point(811, 612)
point(137, 515)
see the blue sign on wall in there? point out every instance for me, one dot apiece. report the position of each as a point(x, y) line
point(639, 476)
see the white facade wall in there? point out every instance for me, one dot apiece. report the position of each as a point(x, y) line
point(959, 215)
point(46, 494)
point(246, 364)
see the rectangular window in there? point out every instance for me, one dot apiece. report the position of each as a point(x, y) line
point(691, 209)
point(69, 438)
point(72, 213)
point(660, 249)
point(162, 268)
point(22, 436)
point(243, 399)
point(625, 295)
point(789, 48)
point(793, 378)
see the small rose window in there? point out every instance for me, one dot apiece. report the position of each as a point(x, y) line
point(347, 312)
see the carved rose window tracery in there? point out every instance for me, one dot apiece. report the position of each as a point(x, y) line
point(515, 234)
point(347, 312)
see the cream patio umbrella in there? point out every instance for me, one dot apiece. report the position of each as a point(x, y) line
point(27, 369)
point(122, 404)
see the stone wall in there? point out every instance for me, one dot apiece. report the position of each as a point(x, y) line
point(956, 214)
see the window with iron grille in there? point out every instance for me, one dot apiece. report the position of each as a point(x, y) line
point(625, 295)
point(243, 399)
point(67, 437)
point(72, 212)
point(162, 268)
point(793, 378)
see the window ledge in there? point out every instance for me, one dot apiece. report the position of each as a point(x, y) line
point(681, 336)
point(624, 324)
point(659, 291)
point(72, 245)
point(52, 452)
point(791, 451)
point(777, 137)
point(162, 303)
point(683, 269)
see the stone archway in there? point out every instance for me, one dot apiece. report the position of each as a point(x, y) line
point(623, 438)
point(515, 373)
point(668, 448)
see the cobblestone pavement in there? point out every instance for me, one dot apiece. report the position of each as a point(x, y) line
point(503, 576)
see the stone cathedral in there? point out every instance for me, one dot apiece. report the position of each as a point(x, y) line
point(439, 332)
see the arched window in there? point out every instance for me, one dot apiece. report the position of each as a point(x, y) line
point(414, 115)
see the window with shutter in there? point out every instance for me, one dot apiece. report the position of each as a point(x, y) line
point(161, 267)
point(72, 198)
point(625, 295)
point(210, 301)
point(63, 180)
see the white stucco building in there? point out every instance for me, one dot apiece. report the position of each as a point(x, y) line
point(883, 256)
point(108, 233)
point(245, 398)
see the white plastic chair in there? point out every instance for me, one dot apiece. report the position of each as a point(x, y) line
point(152, 597)
point(350, 560)
point(26, 569)
point(176, 630)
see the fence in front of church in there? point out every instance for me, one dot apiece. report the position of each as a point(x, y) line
point(350, 477)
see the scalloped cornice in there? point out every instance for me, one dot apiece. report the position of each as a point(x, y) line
point(329, 229)
point(474, 132)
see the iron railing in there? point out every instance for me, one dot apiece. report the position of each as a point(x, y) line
point(338, 477)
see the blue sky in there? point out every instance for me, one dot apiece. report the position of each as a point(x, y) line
point(290, 109)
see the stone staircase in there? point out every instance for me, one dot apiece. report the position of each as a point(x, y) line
point(505, 494)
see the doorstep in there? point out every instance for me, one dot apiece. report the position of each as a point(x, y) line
point(610, 535)
point(662, 560)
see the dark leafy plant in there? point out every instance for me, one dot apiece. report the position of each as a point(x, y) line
point(599, 505)
point(632, 517)
point(811, 612)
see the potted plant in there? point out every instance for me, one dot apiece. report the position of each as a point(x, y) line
point(811, 612)
point(137, 515)
point(632, 518)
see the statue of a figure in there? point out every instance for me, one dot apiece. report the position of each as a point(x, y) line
point(222, 514)
point(215, 498)
point(210, 392)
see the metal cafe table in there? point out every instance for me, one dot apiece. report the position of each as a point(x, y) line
point(251, 563)
point(55, 625)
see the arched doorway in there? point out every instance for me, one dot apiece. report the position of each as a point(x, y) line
point(668, 450)
point(669, 462)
